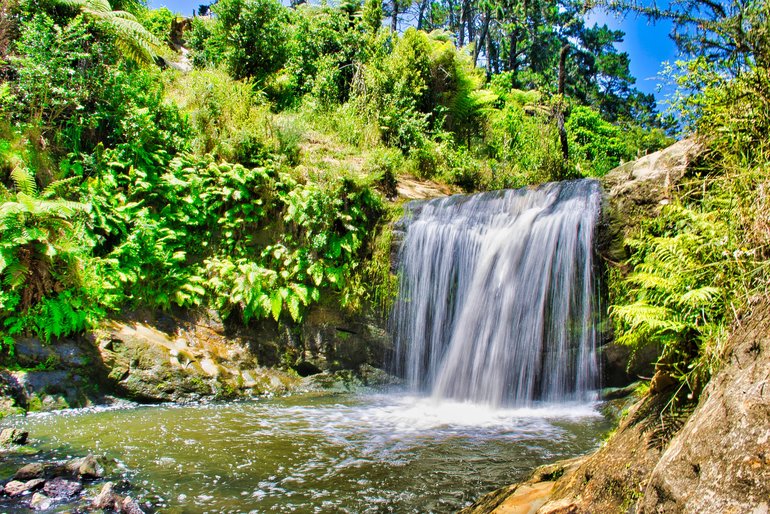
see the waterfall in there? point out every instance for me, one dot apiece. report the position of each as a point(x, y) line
point(496, 302)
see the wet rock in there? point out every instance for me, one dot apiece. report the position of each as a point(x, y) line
point(618, 393)
point(146, 363)
point(88, 467)
point(40, 502)
point(17, 488)
point(129, 506)
point(374, 377)
point(61, 488)
point(29, 471)
point(107, 498)
point(10, 436)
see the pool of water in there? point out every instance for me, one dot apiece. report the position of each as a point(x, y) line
point(319, 453)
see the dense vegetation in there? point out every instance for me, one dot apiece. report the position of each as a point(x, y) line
point(703, 263)
point(255, 182)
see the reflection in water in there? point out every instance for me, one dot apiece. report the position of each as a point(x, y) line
point(340, 453)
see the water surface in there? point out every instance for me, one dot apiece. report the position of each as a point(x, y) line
point(320, 453)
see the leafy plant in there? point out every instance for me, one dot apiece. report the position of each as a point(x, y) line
point(43, 253)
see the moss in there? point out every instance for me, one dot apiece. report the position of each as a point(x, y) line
point(35, 403)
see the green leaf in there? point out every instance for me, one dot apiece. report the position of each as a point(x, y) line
point(276, 302)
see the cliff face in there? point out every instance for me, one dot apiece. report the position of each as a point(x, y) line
point(720, 461)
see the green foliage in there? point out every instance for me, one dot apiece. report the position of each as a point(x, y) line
point(522, 138)
point(594, 143)
point(251, 37)
point(43, 253)
point(680, 291)
point(51, 85)
point(131, 37)
point(158, 23)
point(325, 68)
point(228, 118)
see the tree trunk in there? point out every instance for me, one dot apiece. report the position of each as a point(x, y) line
point(560, 107)
point(482, 39)
point(394, 17)
point(421, 14)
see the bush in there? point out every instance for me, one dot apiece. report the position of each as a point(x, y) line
point(252, 36)
point(228, 118)
point(595, 144)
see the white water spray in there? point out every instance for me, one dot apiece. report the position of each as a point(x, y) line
point(497, 296)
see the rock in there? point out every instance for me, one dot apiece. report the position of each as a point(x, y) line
point(720, 460)
point(564, 506)
point(87, 467)
point(637, 190)
point(33, 470)
point(40, 502)
point(16, 488)
point(107, 499)
point(129, 506)
point(10, 436)
point(62, 488)
point(661, 382)
point(618, 393)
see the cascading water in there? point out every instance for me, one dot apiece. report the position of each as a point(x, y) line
point(496, 304)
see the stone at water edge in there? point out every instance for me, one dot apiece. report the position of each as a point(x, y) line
point(62, 488)
point(29, 471)
point(86, 467)
point(40, 502)
point(107, 498)
point(9, 436)
point(17, 488)
point(129, 506)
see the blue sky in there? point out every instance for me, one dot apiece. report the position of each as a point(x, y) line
point(647, 44)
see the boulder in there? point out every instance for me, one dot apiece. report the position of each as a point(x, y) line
point(40, 502)
point(61, 488)
point(638, 190)
point(720, 461)
point(30, 471)
point(107, 499)
point(88, 467)
point(17, 488)
point(9, 436)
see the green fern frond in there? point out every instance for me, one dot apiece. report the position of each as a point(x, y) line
point(91, 5)
point(648, 279)
point(24, 180)
point(701, 296)
point(16, 274)
point(58, 187)
point(653, 318)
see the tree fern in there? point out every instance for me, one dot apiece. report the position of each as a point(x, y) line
point(132, 39)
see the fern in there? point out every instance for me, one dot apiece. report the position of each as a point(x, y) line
point(24, 181)
point(671, 296)
point(133, 40)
